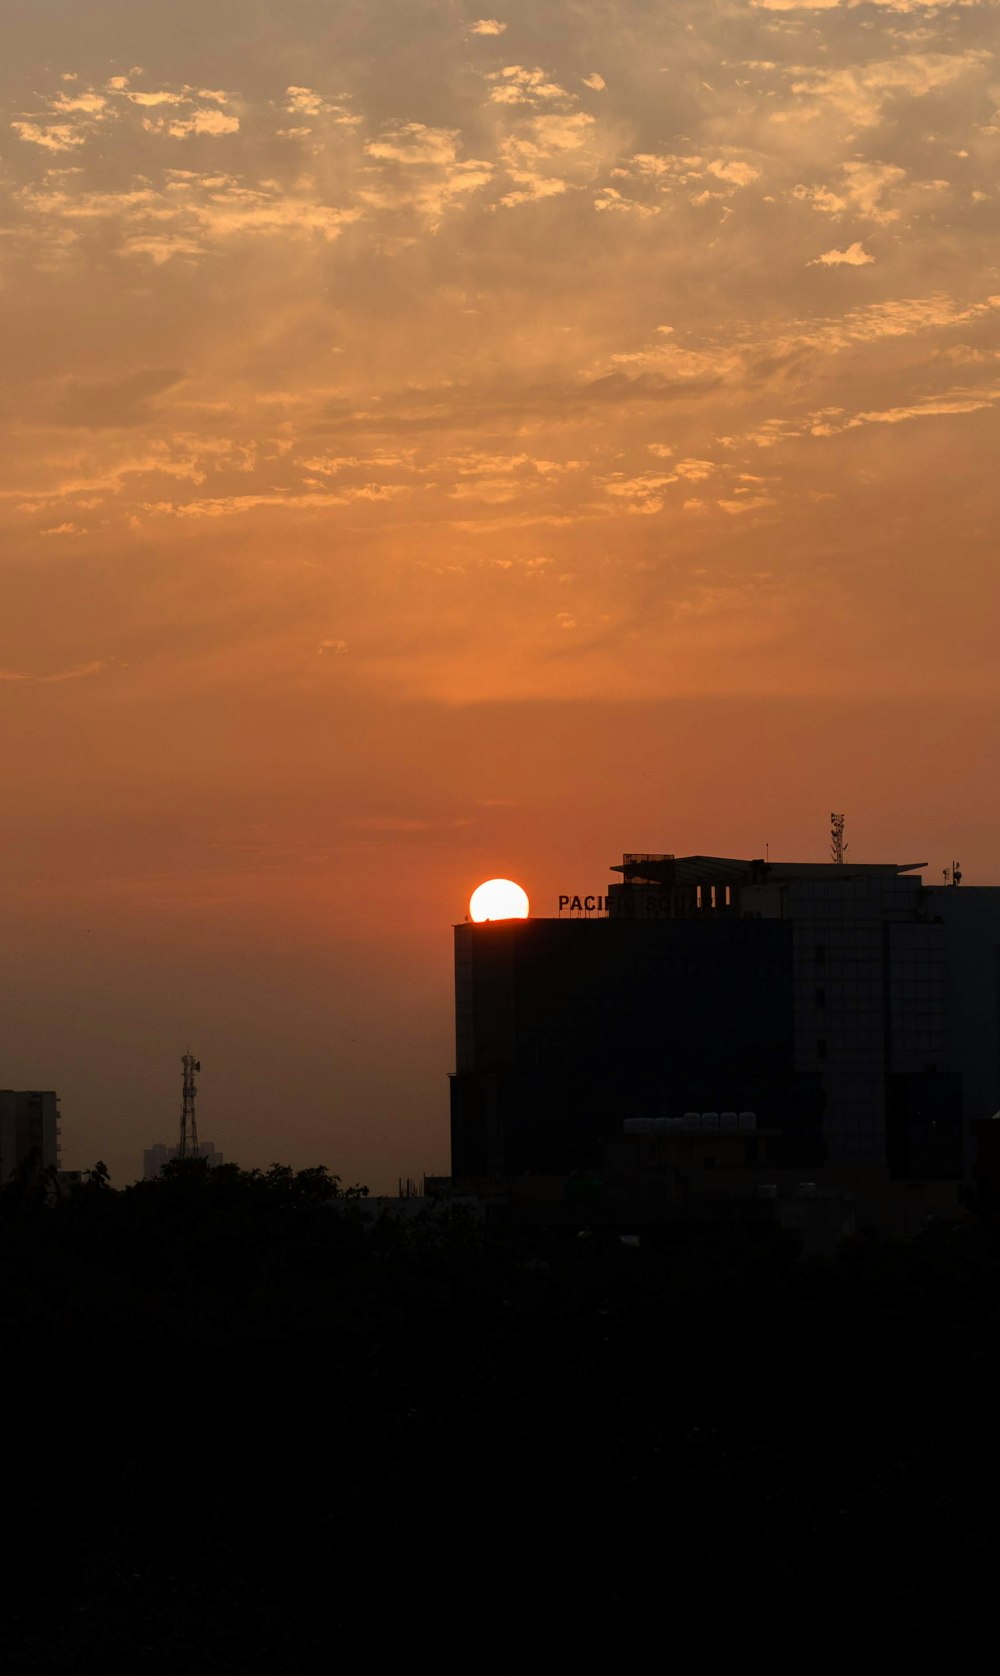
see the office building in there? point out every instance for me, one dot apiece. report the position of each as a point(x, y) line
point(29, 1130)
point(853, 1009)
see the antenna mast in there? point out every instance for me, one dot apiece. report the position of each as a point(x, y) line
point(837, 845)
point(188, 1144)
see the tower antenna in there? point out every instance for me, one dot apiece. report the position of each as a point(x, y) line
point(837, 845)
point(188, 1144)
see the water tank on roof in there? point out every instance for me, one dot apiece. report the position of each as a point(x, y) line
point(710, 1120)
point(747, 1120)
point(728, 1120)
point(691, 1120)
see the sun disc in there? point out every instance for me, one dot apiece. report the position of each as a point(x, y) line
point(498, 899)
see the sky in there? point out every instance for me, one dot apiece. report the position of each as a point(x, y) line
point(440, 445)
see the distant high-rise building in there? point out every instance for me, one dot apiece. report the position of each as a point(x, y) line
point(154, 1158)
point(29, 1128)
point(855, 1010)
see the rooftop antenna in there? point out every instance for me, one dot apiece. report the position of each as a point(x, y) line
point(187, 1146)
point(837, 845)
point(956, 873)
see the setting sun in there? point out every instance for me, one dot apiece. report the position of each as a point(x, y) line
point(498, 899)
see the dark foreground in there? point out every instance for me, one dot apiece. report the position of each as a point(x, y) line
point(244, 1435)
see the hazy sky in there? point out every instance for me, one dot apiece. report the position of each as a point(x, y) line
point(439, 445)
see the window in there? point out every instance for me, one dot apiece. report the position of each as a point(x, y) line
point(820, 953)
point(821, 997)
point(821, 1047)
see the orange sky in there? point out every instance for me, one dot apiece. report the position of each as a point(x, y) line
point(438, 446)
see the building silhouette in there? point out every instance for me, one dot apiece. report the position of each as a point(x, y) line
point(29, 1129)
point(851, 1008)
point(154, 1157)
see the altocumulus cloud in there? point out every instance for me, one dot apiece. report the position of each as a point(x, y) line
point(346, 257)
point(855, 256)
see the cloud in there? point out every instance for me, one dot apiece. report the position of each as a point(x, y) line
point(57, 136)
point(738, 174)
point(821, 198)
point(932, 408)
point(530, 188)
point(487, 465)
point(201, 122)
point(482, 342)
point(898, 317)
point(859, 93)
point(672, 164)
point(862, 190)
point(162, 247)
point(517, 86)
point(912, 6)
point(640, 488)
point(562, 133)
point(91, 103)
point(610, 199)
point(233, 208)
point(112, 402)
point(421, 173)
point(164, 96)
point(750, 503)
point(185, 214)
point(695, 471)
point(78, 672)
point(865, 182)
point(556, 142)
point(855, 256)
point(414, 143)
point(952, 403)
point(337, 647)
point(495, 491)
point(298, 499)
point(304, 101)
point(487, 26)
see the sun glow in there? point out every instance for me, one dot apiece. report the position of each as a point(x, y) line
point(498, 899)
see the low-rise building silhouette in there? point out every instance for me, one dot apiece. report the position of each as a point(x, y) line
point(154, 1157)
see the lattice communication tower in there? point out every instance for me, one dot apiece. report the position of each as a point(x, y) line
point(187, 1146)
point(837, 845)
